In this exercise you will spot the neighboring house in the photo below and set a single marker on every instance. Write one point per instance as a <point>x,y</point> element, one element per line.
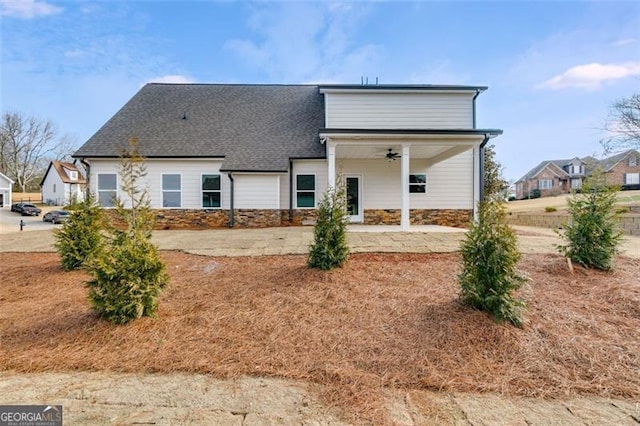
<point>5,190</point>
<point>62,183</point>
<point>263,155</point>
<point>553,177</point>
<point>623,169</point>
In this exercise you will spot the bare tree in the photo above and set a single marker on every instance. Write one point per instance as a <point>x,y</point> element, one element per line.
<point>27,144</point>
<point>623,125</point>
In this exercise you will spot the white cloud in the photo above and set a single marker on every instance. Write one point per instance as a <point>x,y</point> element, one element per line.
<point>297,42</point>
<point>27,9</point>
<point>172,78</point>
<point>623,42</point>
<point>591,76</point>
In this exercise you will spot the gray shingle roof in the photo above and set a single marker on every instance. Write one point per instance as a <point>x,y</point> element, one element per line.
<point>254,127</point>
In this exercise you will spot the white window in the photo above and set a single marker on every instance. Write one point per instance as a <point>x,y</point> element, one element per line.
<point>73,175</point>
<point>576,183</point>
<point>417,183</point>
<point>210,191</point>
<point>632,178</point>
<point>633,161</point>
<point>545,184</point>
<point>306,191</point>
<point>107,187</point>
<point>576,169</point>
<point>171,190</point>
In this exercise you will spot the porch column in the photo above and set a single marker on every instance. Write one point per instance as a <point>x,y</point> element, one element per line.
<point>331,160</point>
<point>404,179</point>
<point>477,181</point>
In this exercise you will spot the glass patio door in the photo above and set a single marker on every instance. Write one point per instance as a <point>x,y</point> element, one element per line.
<point>354,197</point>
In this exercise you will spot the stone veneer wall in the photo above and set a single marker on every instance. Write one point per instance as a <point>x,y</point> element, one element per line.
<point>195,219</point>
<point>263,218</point>
<point>629,222</point>
<point>442,217</point>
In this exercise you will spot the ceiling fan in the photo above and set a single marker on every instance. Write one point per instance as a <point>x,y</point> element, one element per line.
<point>392,156</point>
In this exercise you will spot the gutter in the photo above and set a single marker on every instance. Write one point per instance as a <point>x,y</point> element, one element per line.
<point>231,211</point>
<point>474,106</point>
<point>290,191</point>
<point>482,145</point>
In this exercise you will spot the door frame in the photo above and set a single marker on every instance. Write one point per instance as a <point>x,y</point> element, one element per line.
<point>359,218</point>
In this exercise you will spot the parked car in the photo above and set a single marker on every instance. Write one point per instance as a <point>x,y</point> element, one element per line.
<point>56,216</point>
<point>17,207</point>
<point>30,210</point>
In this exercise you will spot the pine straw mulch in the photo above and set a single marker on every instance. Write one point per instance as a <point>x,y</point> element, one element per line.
<point>382,321</point>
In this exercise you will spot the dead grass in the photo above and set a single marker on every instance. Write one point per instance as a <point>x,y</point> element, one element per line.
<point>381,321</point>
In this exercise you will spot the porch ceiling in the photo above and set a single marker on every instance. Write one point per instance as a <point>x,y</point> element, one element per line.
<point>364,151</point>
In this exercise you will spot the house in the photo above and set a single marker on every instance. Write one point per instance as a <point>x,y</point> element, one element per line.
<point>263,155</point>
<point>62,183</point>
<point>623,169</point>
<point>553,177</point>
<point>5,190</point>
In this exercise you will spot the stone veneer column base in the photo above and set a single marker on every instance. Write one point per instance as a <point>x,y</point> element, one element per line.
<point>443,217</point>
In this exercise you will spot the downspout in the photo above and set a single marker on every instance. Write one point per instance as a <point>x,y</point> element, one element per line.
<point>474,107</point>
<point>481,154</point>
<point>290,191</point>
<point>231,212</point>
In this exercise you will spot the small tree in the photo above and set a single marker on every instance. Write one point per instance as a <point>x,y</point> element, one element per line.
<point>593,234</point>
<point>490,254</point>
<point>129,275</point>
<point>495,186</point>
<point>329,249</point>
<point>623,124</point>
<point>80,238</point>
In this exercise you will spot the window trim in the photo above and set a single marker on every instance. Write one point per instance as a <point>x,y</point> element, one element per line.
<point>162,190</point>
<point>73,175</point>
<point>202,191</point>
<point>543,187</point>
<point>416,184</point>
<point>315,190</point>
<point>633,161</point>
<point>635,174</point>
<point>98,190</point>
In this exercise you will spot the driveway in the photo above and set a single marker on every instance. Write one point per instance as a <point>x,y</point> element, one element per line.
<point>10,221</point>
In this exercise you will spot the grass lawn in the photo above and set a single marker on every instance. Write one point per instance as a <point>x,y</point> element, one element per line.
<point>381,321</point>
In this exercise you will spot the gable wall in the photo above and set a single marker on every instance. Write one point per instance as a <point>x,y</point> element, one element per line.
<point>617,174</point>
<point>58,197</point>
<point>399,110</point>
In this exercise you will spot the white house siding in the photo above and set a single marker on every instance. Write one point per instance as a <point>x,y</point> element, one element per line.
<point>53,189</point>
<point>304,167</point>
<point>257,191</point>
<point>449,183</point>
<point>191,172</point>
<point>5,191</point>
<point>399,110</point>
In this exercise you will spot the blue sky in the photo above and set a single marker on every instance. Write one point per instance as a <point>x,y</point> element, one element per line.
<point>553,68</point>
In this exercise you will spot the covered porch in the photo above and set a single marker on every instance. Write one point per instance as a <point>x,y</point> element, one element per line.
<point>408,177</point>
